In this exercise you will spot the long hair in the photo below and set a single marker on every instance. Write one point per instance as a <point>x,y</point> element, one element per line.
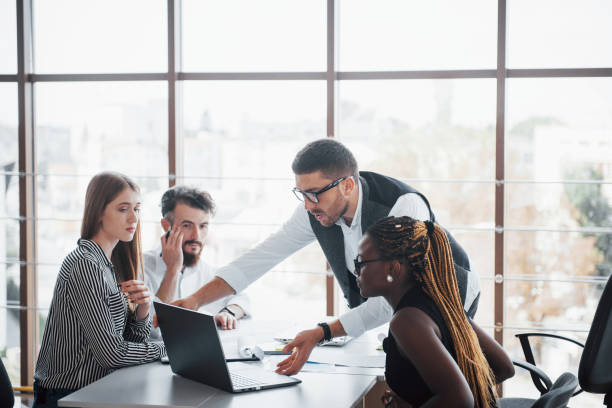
<point>102,189</point>
<point>429,261</point>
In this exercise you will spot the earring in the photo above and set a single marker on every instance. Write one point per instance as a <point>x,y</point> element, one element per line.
<point>389,278</point>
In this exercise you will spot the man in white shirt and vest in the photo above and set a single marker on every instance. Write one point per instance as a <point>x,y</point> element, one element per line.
<point>339,205</point>
<point>175,270</point>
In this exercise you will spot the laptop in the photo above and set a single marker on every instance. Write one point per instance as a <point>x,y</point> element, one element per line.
<point>195,352</point>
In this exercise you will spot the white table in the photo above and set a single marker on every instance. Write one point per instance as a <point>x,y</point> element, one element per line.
<point>154,384</point>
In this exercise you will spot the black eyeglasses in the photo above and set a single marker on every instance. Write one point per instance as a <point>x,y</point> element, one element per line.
<point>313,196</point>
<point>359,263</point>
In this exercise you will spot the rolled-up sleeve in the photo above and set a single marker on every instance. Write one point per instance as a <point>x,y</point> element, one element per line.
<point>369,315</point>
<point>242,300</point>
<point>294,234</point>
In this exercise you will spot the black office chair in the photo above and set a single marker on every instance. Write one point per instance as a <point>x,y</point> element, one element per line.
<point>7,399</point>
<point>557,395</point>
<point>595,369</point>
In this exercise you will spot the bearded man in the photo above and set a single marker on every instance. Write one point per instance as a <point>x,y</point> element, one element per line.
<point>174,270</point>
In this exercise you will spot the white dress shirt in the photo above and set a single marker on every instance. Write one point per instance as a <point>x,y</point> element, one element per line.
<point>297,232</point>
<point>189,281</point>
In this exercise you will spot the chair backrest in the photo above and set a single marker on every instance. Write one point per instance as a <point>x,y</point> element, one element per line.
<point>559,394</point>
<point>595,370</point>
<point>7,399</point>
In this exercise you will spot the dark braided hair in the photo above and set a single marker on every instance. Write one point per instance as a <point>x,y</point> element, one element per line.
<point>424,248</point>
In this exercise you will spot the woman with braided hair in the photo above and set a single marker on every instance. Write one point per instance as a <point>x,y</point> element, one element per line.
<point>436,357</point>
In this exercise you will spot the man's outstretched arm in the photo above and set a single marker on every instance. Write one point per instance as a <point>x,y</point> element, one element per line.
<point>295,234</point>
<point>368,315</point>
<point>213,290</point>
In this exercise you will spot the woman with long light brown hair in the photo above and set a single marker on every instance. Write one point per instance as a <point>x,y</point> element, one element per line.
<point>99,318</point>
<point>436,356</point>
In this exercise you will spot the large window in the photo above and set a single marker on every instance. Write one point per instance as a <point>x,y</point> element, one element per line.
<point>84,128</point>
<point>558,207</point>
<point>439,136</point>
<point>8,38</point>
<point>247,36</point>
<point>262,124</point>
<point>392,35</point>
<point>109,36</point>
<point>9,231</point>
<point>559,34</point>
<point>419,91</point>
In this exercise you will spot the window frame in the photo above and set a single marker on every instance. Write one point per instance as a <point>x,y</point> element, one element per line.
<point>173,77</point>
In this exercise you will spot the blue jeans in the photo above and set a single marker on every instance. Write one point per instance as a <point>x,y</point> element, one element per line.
<point>47,398</point>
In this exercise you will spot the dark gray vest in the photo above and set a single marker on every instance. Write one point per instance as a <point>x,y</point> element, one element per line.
<point>379,195</point>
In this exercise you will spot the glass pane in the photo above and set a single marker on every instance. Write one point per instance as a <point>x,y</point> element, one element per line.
<point>54,204</point>
<point>547,304</point>
<point>558,205</point>
<point>58,236</point>
<point>9,158</point>
<point>559,129</point>
<point>85,128</point>
<point>9,297</point>
<point>72,36</point>
<point>554,357</point>
<point>302,294</point>
<point>559,34</point>
<point>242,220</point>
<point>232,129</point>
<point>10,343</point>
<point>479,246</point>
<point>9,250</point>
<point>267,35</point>
<point>421,128</point>
<point>399,35</point>
<point>558,254</point>
<point>486,305</point>
<point>230,135</point>
<point>8,37</point>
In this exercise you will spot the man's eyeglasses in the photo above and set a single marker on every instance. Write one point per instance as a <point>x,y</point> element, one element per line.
<point>313,196</point>
<point>359,263</point>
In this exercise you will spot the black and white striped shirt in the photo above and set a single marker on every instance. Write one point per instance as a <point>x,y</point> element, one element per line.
<point>90,330</point>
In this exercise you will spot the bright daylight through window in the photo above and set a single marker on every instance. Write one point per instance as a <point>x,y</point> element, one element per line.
<point>411,88</point>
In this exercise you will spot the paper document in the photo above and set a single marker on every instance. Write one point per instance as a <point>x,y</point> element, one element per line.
<point>336,369</point>
<point>376,361</point>
<point>349,360</point>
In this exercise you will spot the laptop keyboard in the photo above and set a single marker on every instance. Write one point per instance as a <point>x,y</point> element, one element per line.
<point>240,381</point>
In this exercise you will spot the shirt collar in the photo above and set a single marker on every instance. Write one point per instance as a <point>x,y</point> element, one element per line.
<point>357,216</point>
<point>94,249</point>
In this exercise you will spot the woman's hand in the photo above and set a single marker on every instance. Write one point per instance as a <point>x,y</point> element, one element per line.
<point>137,293</point>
